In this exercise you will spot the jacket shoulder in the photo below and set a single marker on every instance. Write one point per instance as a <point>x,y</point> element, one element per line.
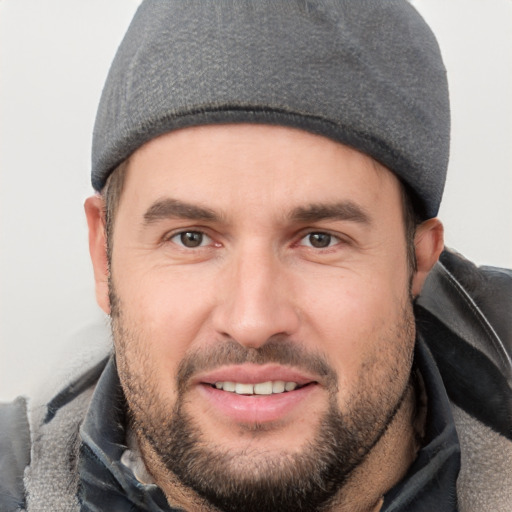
<point>14,454</point>
<point>491,290</point>
<point>475,303</point>
<point>464,315</point>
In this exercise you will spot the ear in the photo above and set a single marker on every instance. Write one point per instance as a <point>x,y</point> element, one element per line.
<point>95,213</point>
<point>428,245</point>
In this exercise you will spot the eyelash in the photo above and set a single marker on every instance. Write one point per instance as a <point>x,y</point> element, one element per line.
<point>331,236</point>
<point>171,238</point>
<point>180,234</point>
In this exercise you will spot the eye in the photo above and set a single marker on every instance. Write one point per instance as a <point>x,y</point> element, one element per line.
<point>191,239</point>
<point>319,240</point>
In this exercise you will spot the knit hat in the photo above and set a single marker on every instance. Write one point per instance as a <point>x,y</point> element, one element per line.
<point>366,73</point>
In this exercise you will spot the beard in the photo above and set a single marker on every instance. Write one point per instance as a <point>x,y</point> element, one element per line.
<point>253,479</point>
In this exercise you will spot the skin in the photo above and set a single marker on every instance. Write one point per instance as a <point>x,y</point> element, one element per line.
<point>256,277</point>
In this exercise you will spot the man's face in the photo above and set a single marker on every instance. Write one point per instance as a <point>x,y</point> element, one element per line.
<point>247,259</point>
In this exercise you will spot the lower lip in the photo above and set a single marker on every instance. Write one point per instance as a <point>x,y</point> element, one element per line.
<point>252,409</point>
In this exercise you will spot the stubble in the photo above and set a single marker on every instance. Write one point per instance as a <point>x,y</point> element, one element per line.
<point>253,479</point>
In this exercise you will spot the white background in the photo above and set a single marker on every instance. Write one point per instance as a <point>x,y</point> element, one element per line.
<point>54,56</point>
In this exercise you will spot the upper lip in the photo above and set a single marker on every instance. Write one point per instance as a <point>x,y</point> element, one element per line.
<point>254,373</point>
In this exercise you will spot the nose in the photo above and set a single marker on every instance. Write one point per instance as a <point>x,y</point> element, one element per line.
<point>256,301</point>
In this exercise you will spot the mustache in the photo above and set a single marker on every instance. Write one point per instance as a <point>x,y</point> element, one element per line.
<point>278,350</point>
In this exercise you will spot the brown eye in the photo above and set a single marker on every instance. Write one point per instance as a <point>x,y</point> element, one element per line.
<point>191,239</point>
<point>319,240</point>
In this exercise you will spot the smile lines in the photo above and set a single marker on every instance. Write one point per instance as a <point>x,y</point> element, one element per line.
<point>261,388</point>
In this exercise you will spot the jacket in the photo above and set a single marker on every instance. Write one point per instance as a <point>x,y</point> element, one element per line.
<point>463,316</point>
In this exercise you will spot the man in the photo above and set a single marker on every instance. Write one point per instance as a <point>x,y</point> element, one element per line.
<point>264,240</point>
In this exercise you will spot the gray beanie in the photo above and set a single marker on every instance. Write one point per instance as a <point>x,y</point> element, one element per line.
<point>366,73</point>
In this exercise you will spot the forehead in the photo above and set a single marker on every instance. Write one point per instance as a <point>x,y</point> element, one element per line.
<point>264,166</point>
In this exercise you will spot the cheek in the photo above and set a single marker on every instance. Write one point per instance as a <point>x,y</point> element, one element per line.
<point>359,322</point>
<point>169,303</point>
<point>162,317</point>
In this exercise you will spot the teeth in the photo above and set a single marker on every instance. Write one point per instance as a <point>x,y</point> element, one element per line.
<point>228,386</point>
<point>290,386</point>
<point>278,386</point>
<point>261,388</point>
<point>244,389</point>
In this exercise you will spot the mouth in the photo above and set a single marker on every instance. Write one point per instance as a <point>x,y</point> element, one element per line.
<point>260,388</point>
<point>248,394</point>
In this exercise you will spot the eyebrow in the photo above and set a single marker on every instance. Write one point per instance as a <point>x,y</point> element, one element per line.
<point>169,208</point>
<point>344,210</point>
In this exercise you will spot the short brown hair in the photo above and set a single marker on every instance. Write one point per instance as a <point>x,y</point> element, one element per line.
<point>111,194</point>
